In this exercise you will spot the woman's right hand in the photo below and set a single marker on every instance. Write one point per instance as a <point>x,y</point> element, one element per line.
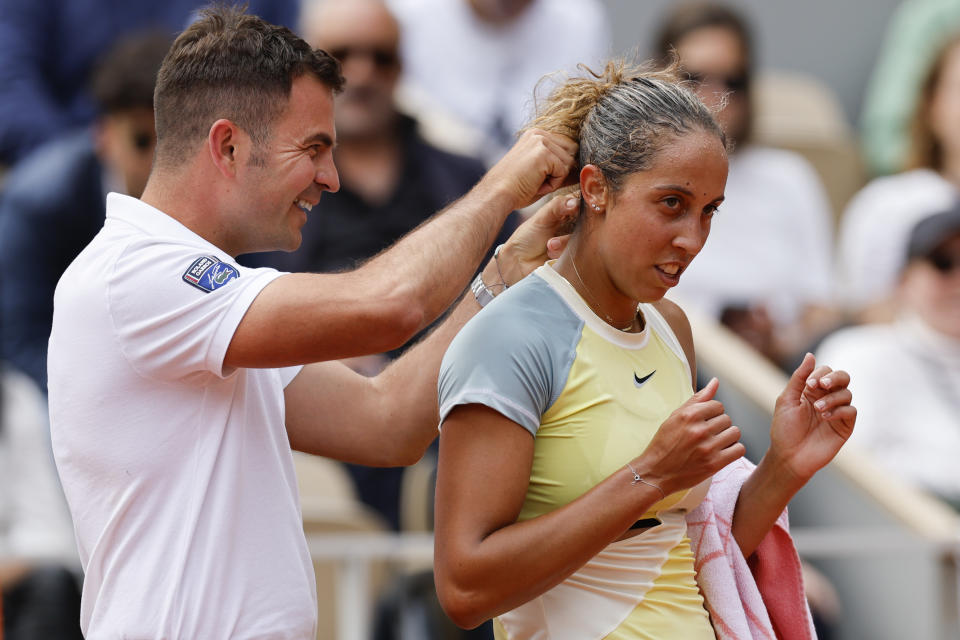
<point>696,441</point>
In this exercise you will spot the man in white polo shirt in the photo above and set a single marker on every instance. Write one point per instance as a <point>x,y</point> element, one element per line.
<point>175,375</point>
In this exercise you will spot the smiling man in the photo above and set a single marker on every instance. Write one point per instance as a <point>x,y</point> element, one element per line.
<point>176,377</point>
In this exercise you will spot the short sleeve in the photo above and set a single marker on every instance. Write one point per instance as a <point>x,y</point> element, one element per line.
<point>513,357</point>
<point>175,307</point>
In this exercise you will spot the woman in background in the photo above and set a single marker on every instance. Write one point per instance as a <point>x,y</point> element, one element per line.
<point>876,225</point>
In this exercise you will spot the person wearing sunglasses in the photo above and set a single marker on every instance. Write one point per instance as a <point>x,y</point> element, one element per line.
<point>905,374</point>
<point>776,213</point>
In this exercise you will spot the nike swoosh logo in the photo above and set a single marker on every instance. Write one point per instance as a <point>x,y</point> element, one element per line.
<point>639,382</point>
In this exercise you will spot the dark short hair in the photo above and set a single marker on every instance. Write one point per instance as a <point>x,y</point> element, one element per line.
<point>125,77</point>
<point>230,64</point>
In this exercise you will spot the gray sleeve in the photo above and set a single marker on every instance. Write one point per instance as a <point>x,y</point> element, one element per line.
<point>513,357</point>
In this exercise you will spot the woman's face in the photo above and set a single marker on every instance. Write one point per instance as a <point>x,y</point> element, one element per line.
<point>660,218</point>
<point>945,104</point>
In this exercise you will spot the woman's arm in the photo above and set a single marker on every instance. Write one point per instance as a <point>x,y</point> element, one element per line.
<point>804,437</point>
<point>384,302</point>
<point>812,419</point>
<point>487,563</point>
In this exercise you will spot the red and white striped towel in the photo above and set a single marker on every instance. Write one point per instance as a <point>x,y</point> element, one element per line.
<point>759,598</point>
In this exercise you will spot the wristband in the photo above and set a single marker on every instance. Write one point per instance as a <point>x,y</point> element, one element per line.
<point>480,291</point>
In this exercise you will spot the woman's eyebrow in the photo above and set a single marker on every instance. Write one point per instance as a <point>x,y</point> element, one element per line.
<point>673,187</point>
<point>684,190</point>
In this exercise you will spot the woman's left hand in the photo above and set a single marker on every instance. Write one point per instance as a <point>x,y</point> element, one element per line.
<point>812,419</point>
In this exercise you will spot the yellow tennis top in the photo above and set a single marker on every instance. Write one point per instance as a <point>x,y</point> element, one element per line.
<point>593,397</point>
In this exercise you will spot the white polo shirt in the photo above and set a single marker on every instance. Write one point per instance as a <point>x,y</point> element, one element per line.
<point>178,472</point>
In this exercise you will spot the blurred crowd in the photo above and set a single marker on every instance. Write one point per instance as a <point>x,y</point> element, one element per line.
<point>436,89</point>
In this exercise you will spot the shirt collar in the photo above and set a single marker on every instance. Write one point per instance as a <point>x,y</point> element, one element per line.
<point>151,220</point>
<point>573,299</point>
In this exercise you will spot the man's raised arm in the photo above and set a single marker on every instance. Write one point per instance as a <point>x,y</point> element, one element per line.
<point>303,318</point>
<point>389,420</point>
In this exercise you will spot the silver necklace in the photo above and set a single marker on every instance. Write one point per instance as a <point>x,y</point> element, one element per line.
<point>609,319</point>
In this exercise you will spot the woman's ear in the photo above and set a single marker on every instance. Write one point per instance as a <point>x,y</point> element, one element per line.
<point>593,189</point>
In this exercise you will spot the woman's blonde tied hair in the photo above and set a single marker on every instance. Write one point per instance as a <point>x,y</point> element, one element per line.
<point>623,116</point>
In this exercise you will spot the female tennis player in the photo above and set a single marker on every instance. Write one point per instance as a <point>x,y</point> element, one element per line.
<point>574,496</point>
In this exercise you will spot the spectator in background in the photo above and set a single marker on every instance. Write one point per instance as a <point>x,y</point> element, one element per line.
<point>916,31</point>
<point>905,374</point>
<point>48,49</point>
<point>876,224</point>
<point>775,215</point>
<point>391,179</point>
<point>53,202</point>
<point>477,59</point>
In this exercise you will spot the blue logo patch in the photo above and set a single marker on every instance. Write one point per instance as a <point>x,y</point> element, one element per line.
<point>209,274</point>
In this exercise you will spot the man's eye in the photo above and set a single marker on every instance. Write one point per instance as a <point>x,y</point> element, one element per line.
<point>672,202</point>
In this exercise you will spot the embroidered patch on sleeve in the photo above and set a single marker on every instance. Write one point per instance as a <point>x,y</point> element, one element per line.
<point>209,274</point>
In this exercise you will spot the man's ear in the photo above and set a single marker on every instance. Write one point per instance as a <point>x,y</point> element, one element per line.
<point>593,189</point>
<point>224,143</point>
